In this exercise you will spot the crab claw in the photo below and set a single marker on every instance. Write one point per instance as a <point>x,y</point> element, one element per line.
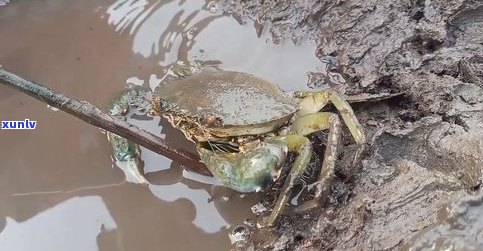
<point>248,171</point>
<point>128,158</point>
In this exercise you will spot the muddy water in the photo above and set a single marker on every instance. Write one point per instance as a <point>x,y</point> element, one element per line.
<point>58,187</point>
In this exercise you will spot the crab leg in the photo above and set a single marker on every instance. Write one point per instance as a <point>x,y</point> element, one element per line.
<point>312,102</point>
<point>316,122</point>
<point>126,153</point>
<point>302,146</point>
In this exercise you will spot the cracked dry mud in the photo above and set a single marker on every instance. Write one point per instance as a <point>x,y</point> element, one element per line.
<point>420,181</point>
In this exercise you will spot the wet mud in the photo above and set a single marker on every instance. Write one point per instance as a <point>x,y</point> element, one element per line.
<point>418,186</point>
<point>425,146</point>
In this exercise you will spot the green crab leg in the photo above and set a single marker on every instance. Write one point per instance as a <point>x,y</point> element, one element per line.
<point>316,122</point>
<point>312,102</point>
<point>128,158</point>
<point>302,146</point>
<point>126,153</point>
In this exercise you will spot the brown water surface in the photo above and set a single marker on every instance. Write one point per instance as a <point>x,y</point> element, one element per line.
<point>58,187</point>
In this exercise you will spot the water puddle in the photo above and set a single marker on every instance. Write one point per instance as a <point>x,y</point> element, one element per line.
<point>58,187</point>
<point>61,219</point>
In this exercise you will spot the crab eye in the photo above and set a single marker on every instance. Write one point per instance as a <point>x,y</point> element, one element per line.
<point>209,120</point>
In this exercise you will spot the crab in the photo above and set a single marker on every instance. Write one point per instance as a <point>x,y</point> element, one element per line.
<point>244,126</point>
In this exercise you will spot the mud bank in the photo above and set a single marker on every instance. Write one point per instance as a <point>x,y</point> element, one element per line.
<point>426,146</point>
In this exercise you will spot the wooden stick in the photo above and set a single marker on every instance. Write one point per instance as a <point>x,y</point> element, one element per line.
<point>92,115</point>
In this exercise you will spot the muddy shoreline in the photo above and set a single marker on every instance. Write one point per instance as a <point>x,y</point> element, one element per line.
<point>426,147</point>
<point>419,185</point>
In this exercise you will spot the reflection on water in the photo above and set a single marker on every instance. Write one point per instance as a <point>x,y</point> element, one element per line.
<point>159,30</point>
<point>187,31</point>
<point>60,220</point>
<point>206,218</point>
<point>57,187</point>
